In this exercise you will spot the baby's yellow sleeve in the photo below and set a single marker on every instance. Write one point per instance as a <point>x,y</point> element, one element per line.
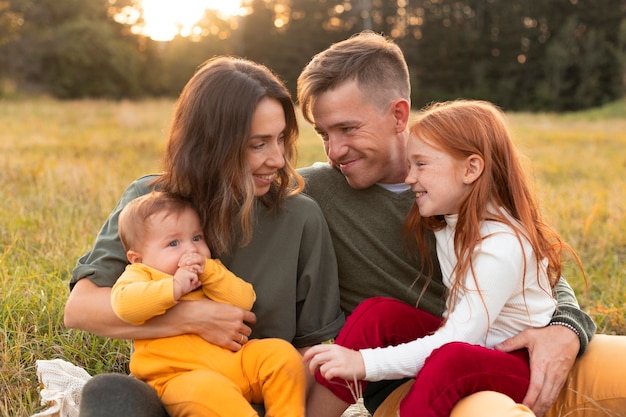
<point>141,293</point>
<point>219,284</point>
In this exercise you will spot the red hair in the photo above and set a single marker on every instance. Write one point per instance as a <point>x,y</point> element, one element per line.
<point>468,127</point>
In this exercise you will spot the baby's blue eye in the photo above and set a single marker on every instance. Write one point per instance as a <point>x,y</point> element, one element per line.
<point>173,243</point>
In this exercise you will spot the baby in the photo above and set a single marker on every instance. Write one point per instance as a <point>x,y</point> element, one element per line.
<point>169,262</point>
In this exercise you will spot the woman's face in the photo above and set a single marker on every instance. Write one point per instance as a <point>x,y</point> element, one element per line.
<point>266,144</point>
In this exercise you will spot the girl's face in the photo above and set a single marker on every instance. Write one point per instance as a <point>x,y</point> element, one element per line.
<point>266,145</point>
<point>437,179</point>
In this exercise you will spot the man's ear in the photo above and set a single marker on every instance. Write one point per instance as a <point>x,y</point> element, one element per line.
<point>474,166</point>
<point>133,257</point>
<point>401,111</point>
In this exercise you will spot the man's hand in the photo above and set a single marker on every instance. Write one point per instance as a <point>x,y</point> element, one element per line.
<point>552,350</point>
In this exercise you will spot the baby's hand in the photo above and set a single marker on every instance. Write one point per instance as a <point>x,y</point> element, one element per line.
<point>192,262</point>
<point>185,281</point>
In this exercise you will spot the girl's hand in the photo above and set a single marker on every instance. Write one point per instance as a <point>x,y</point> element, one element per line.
<point>336,361</point>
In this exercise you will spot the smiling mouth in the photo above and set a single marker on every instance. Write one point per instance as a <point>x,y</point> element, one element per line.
<point>347,164</point>
<point>268,177</point>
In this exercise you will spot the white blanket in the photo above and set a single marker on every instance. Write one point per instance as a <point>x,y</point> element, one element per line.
<point>62,385</point>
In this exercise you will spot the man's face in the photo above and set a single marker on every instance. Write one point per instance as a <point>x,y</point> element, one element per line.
<point>366,143</point>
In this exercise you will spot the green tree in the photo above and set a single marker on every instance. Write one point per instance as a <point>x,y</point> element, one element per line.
<point>531,55</point>
<point>75,49</point>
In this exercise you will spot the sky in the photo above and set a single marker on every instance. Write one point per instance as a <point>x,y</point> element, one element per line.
<point>164,19</point>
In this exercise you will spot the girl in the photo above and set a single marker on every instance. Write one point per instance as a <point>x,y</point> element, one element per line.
<point>499,261</point>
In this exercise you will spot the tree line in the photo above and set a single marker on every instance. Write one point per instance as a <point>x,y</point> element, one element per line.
<point>556,55</point>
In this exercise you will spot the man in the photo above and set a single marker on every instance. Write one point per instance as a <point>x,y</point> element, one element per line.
<point>357,96</point>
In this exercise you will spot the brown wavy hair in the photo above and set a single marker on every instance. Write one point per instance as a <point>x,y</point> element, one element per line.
<point>470,127</point>
<point>205,156</point>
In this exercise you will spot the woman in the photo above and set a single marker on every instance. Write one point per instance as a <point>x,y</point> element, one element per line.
<point>231,151</point>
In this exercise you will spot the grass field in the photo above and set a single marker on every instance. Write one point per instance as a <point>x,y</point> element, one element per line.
<point>64,165</point>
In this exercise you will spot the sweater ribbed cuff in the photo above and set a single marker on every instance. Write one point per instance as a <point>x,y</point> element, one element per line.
<point>581,324</point>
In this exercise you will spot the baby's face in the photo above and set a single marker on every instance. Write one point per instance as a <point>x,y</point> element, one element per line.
<point>169,236</point>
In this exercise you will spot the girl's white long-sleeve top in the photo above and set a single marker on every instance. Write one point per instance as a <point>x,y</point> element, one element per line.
<point>511,299</point>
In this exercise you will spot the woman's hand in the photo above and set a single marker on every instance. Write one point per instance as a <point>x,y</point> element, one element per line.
<point>218,323</point>
<point>89,308</point>
<point>335,361</point>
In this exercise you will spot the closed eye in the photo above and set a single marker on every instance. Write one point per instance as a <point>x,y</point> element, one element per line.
<point>257,144</point>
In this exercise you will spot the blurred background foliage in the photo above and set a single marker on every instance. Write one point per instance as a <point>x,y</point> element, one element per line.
<point>533,55</point>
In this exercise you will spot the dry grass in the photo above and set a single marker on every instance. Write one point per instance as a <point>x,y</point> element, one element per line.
<point>63,165</point>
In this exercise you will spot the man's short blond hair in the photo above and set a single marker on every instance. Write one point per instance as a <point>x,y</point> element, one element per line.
<point>374,61</point>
